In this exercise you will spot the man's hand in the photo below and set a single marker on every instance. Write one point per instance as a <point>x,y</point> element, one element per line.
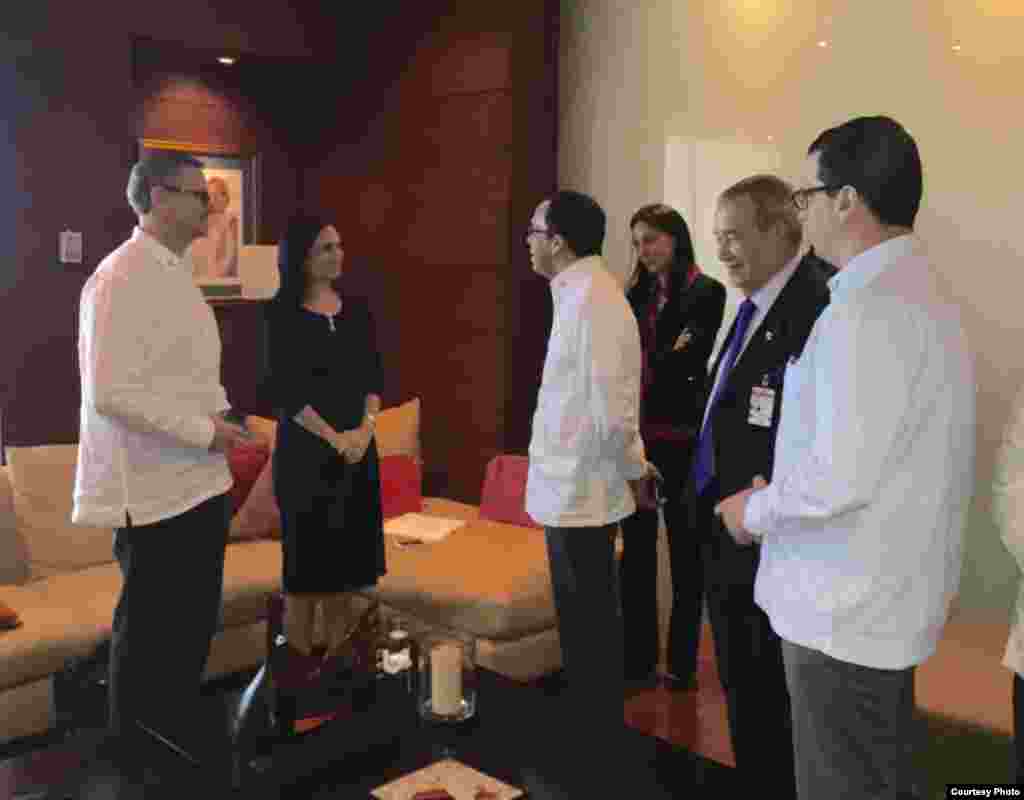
<point>227,435</point>
<point>733,509</point>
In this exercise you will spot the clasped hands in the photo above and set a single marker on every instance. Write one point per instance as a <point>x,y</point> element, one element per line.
<point>644,489</point>
<point>353,444</point>
<point>733,509</point>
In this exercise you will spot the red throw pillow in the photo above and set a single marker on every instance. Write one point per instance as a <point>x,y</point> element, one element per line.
<point>400,486</point>
<point>503,498</point>
<point>246,462</point>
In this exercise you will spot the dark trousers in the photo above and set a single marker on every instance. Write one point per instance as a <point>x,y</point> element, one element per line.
<point>585,588</point>
<point>749,658</point>
<point>165,619</point>
<point>855,730</point>
<point>638,574</point>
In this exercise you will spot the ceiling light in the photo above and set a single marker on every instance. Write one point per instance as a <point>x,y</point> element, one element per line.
<point>956,47</point>
<point>822,43</point>
<point>226,60</point>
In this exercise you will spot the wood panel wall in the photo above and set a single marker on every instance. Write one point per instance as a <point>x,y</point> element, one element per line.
<point>431,173</point>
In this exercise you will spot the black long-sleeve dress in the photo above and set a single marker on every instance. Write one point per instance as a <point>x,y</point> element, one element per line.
<point>331,526</point>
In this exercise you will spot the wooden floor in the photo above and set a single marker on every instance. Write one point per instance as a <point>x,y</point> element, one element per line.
<point>694,719</point>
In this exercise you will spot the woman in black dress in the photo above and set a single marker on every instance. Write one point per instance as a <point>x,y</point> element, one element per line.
<point>325,381</point>
<point>679,311</point>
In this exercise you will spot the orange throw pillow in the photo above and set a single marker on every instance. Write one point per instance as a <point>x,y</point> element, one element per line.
<point>8,617</point>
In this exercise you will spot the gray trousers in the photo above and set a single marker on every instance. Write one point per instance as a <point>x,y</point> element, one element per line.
<point>855,730</point>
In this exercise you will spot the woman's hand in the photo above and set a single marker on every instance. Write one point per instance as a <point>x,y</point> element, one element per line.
<point>342,442</point>
<point>359,443</point>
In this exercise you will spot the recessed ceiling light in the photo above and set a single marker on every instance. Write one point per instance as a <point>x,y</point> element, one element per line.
<point>822,43</point>
<point>956,47</point>
<point>227,60</point>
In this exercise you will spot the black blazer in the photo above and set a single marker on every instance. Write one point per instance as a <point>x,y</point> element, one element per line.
<point>679,383</point>
<point>743,449</point>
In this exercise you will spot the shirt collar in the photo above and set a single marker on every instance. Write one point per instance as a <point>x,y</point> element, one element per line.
<point>158,251</point>
<point>575,271</point>
<point>865,267</point>
<point>764,297</point>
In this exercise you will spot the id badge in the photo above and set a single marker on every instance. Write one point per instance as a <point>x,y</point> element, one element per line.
<point>762,406</point>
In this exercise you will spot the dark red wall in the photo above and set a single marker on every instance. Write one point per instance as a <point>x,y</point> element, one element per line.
<point>74,114</point>
<point>432,172</point>
<point>429,139</point>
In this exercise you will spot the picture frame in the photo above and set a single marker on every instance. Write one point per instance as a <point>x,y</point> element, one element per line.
<point>233,179</point>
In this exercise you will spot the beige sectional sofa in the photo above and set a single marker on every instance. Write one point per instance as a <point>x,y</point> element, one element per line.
<point>487,578</point>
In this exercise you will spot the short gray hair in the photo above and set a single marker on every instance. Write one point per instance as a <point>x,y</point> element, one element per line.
<point>773,202</point>
<point>154,169</point>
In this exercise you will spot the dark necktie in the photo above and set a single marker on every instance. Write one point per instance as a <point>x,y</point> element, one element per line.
<point>704,463</point>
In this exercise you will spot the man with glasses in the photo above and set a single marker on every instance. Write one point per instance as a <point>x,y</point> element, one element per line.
<point>759,239</point>
<point>861,525</point>
<point>585,451</point>
<point>151,457</point>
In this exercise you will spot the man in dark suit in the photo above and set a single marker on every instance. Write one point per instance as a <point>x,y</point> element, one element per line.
<point>759,236</point>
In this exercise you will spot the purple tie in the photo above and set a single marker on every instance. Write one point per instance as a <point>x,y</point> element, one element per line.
<point>704,463</point>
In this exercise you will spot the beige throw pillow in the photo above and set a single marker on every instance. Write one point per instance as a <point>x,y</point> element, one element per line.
<point>43,481</point>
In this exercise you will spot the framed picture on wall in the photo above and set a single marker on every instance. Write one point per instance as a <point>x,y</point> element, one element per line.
<point>232,180</point>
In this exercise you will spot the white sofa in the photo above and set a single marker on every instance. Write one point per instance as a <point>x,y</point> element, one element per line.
<point>487,578</point>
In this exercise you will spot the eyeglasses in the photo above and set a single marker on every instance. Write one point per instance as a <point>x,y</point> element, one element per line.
<point>202,195</point>
<point>802,197</point>
<point>532,231</point>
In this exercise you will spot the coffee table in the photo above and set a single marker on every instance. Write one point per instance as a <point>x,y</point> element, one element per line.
<point>520,735</point>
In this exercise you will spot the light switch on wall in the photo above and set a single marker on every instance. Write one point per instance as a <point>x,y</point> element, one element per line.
<point>70,247</point>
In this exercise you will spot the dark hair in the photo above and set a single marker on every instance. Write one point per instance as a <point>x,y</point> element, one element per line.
<point>579,220</point>
<point>877,157</point>
<point>153,169</point>
<point>292,252</point>
<point>773,202</point>
<point>667,220</point>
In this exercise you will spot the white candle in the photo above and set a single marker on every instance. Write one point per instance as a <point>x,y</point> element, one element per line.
<point>446,678</point>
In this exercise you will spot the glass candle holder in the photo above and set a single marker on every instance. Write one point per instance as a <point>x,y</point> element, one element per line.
<point>447,677</point>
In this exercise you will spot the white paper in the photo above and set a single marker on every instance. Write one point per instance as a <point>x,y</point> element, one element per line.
<point>460,781</point>
<point>422,527</point>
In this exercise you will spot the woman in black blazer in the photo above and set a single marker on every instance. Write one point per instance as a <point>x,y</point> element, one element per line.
<point>679,311</point>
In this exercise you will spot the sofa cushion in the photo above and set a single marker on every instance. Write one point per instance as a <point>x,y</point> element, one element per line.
<point>487,578</point>
<point>400,486</point>
<point>43,480</point>
<point>503,497</point>
<point>63,616</point>
<point>13,553</point>
<point>252,570</point>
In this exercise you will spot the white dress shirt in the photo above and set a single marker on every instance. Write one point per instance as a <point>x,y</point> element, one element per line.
<point>586,441</point>
<point>149,356</point>
<point>1008,513</point>
<point>862,524</point>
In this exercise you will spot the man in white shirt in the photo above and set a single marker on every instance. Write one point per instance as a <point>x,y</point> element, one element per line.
<point>585,450</point>
<point>151,457</point>
<point>861,525</point>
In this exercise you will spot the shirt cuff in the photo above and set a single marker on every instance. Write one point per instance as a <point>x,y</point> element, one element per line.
<point>199,432</point>
<point>757,515</point>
